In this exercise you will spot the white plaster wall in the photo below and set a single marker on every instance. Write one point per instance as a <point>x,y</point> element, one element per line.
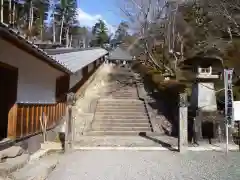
<point>90,67</point>
<point>204,96</point>
<point>75,78</point>
<point>236,110</point>
<point>36,79</point>
<point>207,97</point>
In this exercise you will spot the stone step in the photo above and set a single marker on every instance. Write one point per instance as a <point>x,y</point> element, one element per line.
<point>122,94</point>
<point>123,101</point>
<point>127,105</point>
<point>111,128</point>
<point>104,124</point>
<point>130,104</point>
<point>114,106</point>
<point>123,97</point>
<point>105,117</point>
<point>122,121</point>
<point>150,140</point>
<point>121,86</point>
<point>113,133</point>
<point>121,109</point>
<point>132,113</point>
<point>36,170</point>
<point>120,90</point>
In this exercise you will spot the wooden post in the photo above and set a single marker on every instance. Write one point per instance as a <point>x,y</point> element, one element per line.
<point>183,123</point>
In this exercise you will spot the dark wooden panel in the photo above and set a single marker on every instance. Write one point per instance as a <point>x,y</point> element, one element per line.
<point>28,118</point>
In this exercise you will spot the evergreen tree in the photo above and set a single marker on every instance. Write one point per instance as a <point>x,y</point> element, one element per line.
<point>100,34</point>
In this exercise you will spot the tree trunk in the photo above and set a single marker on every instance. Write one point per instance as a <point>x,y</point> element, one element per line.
<point>61,29</point>
<point>10,11</point>
<point>230,33</point>
<point>41,31</point>
<point>14,13</point>
<point>67,38</point>
<point>84,42</point>
<point>1,11</point>
<point>70,44</point>
<point>182,50</point>
<point>54,30</point>
<point>30,23</point>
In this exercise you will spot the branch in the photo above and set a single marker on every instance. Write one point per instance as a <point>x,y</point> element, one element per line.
<point>226,14</point>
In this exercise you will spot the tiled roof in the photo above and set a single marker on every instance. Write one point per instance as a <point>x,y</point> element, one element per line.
<point>14,37</point>
<point>64,50</point>
<point>68,60</point>
<point>120,54</point>
<point>75,59</point>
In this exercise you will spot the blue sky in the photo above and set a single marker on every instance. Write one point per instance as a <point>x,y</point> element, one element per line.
<point>91,10</point>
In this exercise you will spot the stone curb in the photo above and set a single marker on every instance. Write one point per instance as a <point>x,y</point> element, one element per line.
<point>142,96</point>
<point>220,149</point>
<point>45,151</point>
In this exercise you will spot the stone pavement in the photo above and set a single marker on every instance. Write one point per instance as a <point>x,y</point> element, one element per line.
<point>147,165</point>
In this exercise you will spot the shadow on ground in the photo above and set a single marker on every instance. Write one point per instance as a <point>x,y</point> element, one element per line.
<point>163,144</point>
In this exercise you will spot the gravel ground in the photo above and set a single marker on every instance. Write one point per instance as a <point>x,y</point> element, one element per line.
<point>147,165</point>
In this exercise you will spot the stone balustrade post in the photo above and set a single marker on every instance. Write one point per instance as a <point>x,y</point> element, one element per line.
<point>183,123</point>
<point>69,132</point>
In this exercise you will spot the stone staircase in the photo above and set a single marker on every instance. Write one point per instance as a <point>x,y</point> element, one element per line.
<point>121,91</point>
<point>120,117</point>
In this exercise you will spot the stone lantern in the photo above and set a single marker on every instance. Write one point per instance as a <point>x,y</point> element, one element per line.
<point>203,103</point>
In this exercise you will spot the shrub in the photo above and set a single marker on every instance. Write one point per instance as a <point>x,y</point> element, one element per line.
<point>157,78</point>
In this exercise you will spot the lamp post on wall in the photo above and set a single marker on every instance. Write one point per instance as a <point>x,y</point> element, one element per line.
<point>69,133</point>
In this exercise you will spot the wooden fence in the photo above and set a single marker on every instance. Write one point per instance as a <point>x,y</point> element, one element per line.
<point>24,119</point>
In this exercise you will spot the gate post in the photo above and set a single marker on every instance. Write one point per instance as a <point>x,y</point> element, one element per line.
<point>183,123</point>
<point>71,99</point>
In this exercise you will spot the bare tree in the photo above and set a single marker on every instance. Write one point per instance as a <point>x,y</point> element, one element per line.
<point>143,15</point>
<point>188,26</point>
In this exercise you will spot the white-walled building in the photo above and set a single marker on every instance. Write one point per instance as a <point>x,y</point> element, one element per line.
<point>34,83</point>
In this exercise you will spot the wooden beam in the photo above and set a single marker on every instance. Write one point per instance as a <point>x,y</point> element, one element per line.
<point>27,120</point>
<point>32,118</point>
